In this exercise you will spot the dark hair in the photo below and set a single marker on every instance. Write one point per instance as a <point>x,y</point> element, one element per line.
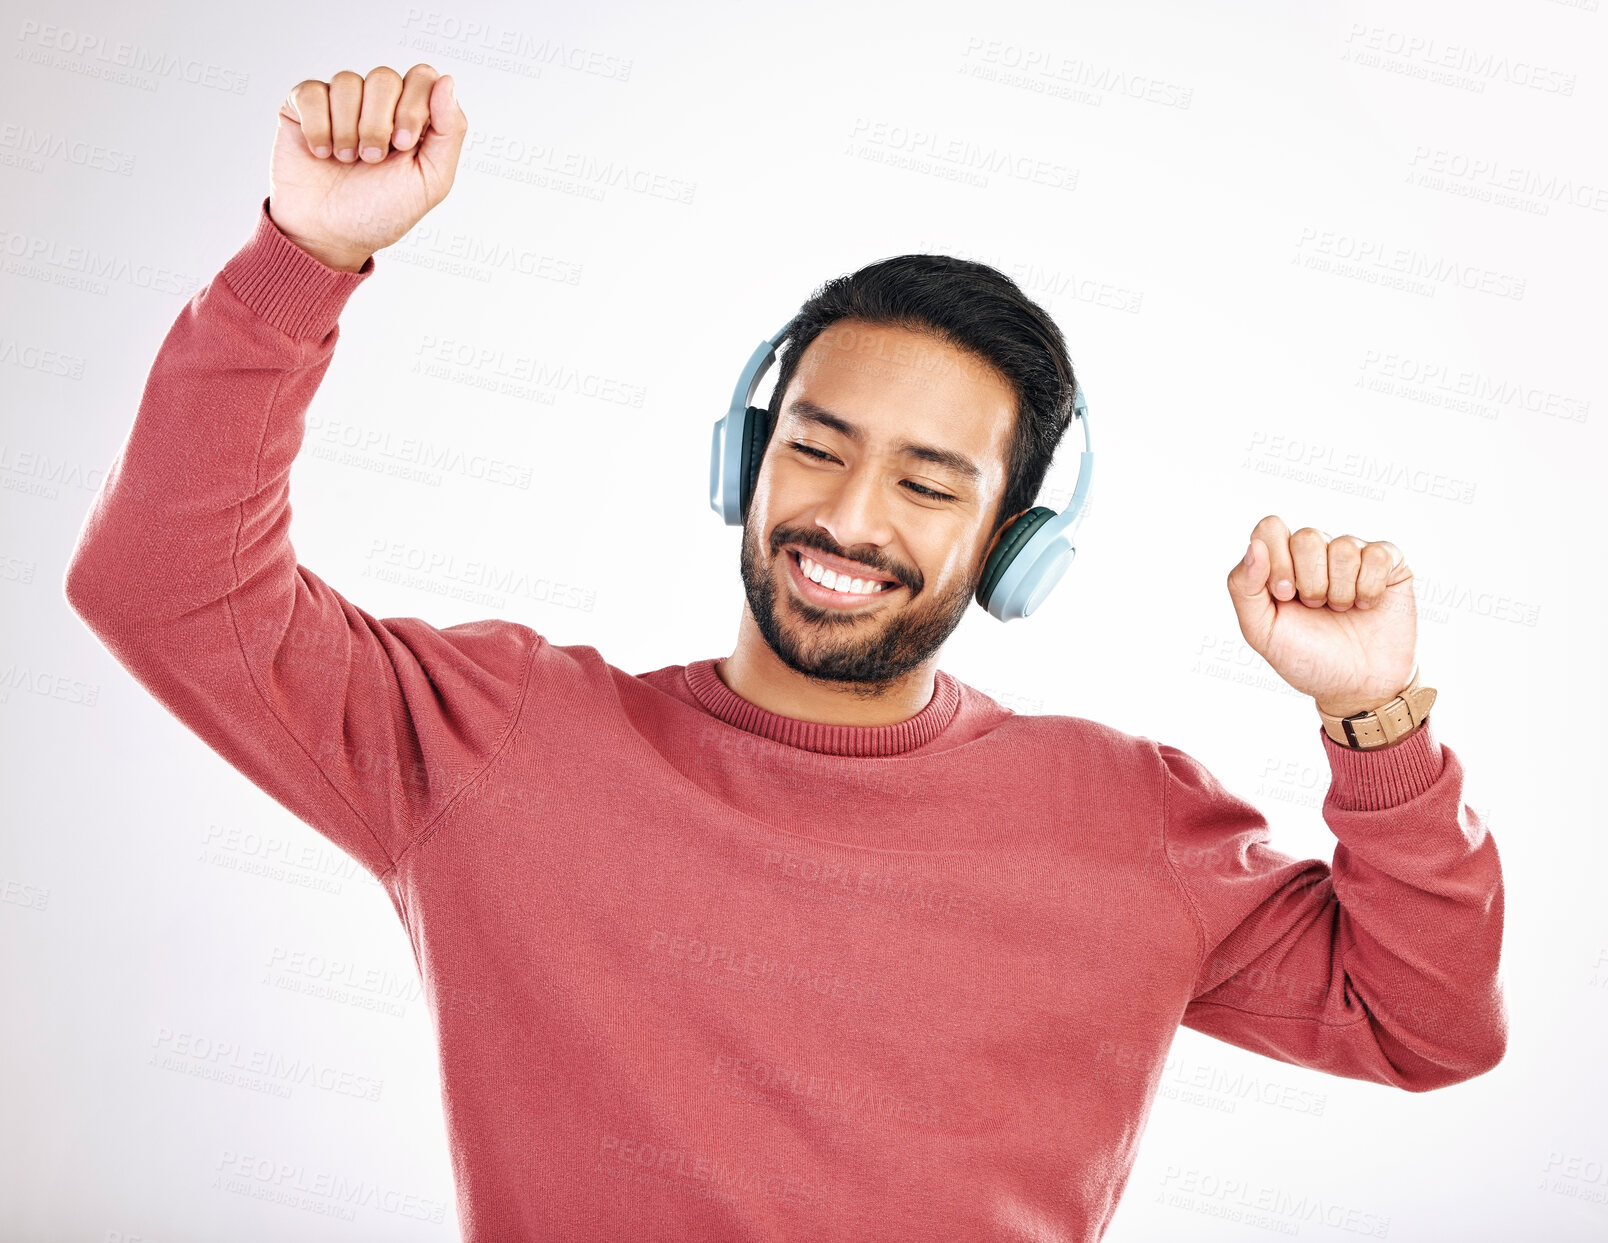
<point>978,310</point>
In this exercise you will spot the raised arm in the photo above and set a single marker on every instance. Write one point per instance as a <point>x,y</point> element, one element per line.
<point>365,729</point>
<point>1382,966</point>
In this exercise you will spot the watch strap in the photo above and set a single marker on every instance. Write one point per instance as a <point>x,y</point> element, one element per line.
<point>1381,726</point>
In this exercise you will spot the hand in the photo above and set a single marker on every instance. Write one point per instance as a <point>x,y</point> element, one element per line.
<point>1340,622</point>
<point>358,161</point>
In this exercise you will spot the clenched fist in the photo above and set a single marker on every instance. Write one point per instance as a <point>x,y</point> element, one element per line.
<point>1336,618</point>
<point>358,161</point>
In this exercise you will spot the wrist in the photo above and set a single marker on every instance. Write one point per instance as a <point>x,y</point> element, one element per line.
<point>289,288</point>
<point>341,259</point>
<point>1363,726</point>
<point>1358,705</point>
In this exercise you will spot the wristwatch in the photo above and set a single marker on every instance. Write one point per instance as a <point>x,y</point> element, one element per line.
<point>1381,726</point>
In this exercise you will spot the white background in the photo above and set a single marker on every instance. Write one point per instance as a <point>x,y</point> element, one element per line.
<point>1246,182</point>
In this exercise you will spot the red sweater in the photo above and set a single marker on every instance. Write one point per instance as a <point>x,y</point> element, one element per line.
<point>699,971</point>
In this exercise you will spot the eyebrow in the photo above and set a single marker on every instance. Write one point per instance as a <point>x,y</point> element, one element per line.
<point>959,463</point>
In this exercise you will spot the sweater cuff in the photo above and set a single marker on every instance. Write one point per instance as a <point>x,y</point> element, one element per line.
<point>301,296</point>
<point>1387,776</point>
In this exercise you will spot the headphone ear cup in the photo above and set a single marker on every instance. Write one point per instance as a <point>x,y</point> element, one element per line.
<point>755,428</point>
<point>1011,541</point>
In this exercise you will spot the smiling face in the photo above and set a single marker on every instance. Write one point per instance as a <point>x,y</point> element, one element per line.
<point>886,466</point>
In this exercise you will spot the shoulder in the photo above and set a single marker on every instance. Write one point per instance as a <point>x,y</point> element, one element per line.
<point>509,651</point>
<point>1080,739</point>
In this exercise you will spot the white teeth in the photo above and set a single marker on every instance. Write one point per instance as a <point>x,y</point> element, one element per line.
<point>839,582</point>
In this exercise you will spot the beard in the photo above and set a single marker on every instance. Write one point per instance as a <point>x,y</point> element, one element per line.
<point>866,653</point>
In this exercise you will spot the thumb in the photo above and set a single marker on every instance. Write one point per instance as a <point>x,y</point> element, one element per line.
<point>443,140</point>
<point>1247,587</point>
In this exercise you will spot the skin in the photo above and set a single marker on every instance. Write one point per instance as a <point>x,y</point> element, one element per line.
<point>1335,617</point>
<point>359,160</point>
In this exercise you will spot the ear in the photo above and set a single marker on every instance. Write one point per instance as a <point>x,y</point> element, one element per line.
<point>1003,527</point>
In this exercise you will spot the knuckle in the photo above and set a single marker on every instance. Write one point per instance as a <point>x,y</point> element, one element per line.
<point>384,73</point>
<point>346,78</point>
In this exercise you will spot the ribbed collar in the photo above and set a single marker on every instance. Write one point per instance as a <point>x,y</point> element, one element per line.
<point>854,740</point>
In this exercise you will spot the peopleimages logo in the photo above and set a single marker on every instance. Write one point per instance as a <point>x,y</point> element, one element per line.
<point>1448,64</point>
<point>1048,284</point>
<point>1463,389</point>
<point>954,157</point>
<point>23,146</point>
<point>84,267</point>
<point>504,47</point>
<point>581,173</point>
<point>30,357</point>
<point>382,449</point>
<point>1355,472</point>
<point>240,1064</point>
<point>1049,72</point>
<point>1490,180</point>
<point>1265,1206</point>
<point>129,64</point>
<point>1405,267</point>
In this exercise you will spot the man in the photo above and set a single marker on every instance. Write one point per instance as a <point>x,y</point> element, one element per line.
<point>813,942</point>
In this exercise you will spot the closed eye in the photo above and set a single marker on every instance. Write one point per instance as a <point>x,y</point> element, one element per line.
<point>909,483</point>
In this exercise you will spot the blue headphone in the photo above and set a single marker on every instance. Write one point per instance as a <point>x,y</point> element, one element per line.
<point>1032,553</point>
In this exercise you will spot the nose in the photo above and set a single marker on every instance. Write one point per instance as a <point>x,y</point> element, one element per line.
<point>855,512</point>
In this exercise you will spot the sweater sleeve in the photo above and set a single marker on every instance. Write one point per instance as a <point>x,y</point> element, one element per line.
<point>1380,966</point>
<point>365,729</point>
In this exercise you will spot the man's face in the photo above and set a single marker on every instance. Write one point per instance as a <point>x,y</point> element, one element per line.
<point>887,462</point>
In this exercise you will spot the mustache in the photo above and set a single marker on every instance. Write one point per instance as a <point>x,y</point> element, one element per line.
<point>813,539</point>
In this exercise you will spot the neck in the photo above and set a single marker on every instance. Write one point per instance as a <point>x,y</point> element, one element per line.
<point>756,673</point>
